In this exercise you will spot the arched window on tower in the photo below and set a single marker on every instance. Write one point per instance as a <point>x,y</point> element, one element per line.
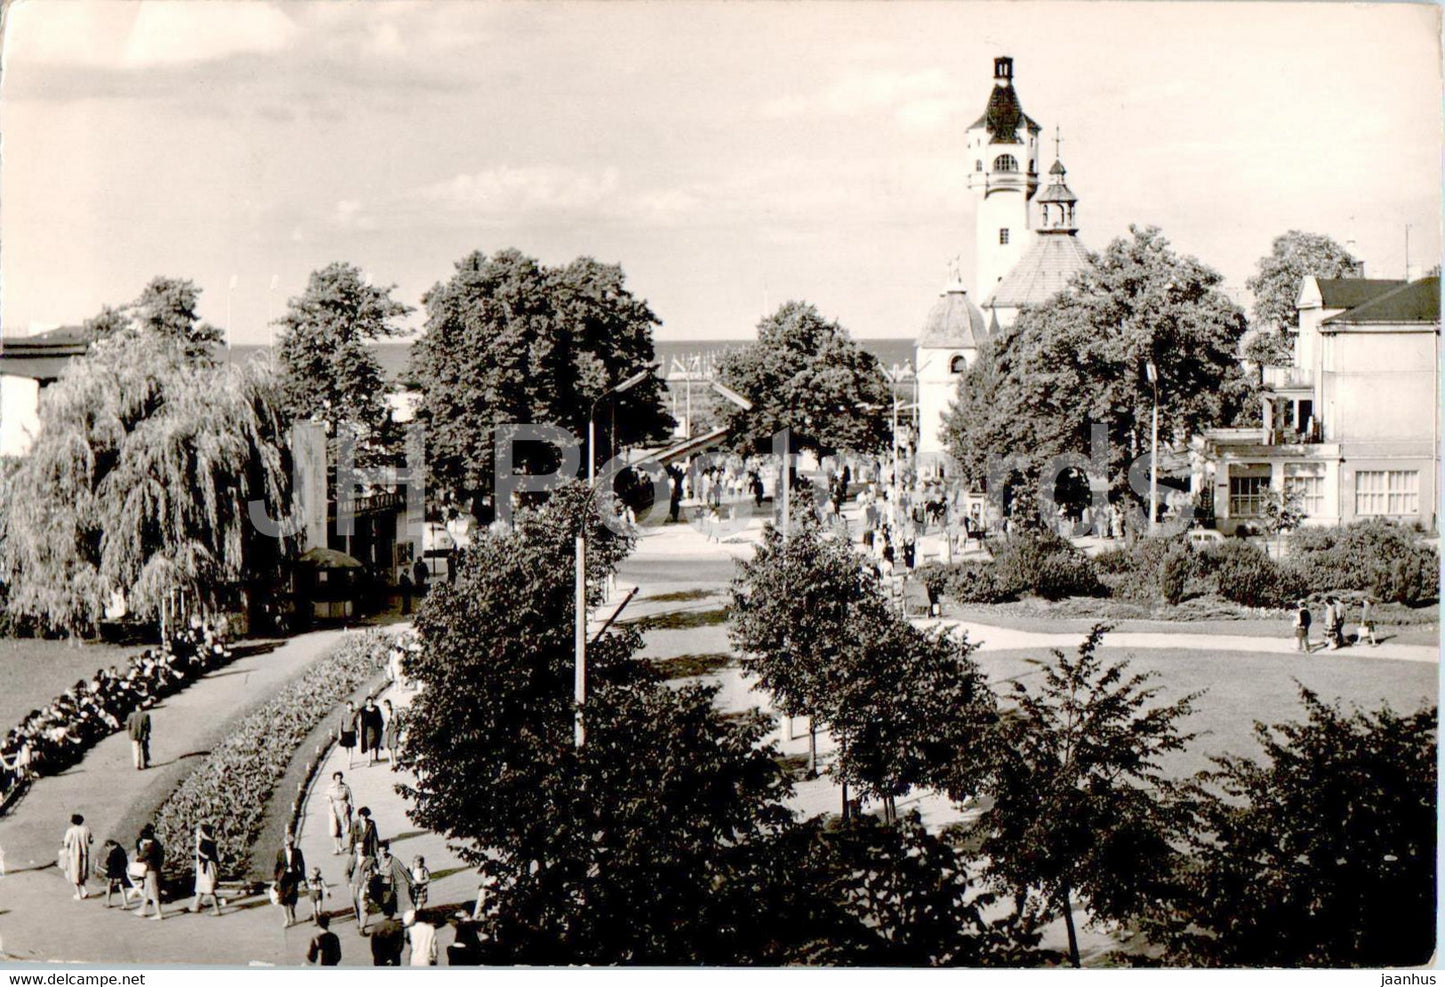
<point>978,166</point>
<point>958,364</point>
<point>1005,162</point>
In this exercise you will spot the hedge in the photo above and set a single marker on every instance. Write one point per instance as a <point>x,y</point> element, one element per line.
<point>1375,557</point>
<point>231,789</point>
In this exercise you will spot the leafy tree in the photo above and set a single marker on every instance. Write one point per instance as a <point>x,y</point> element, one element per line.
<point>167,307</point>
<point>599,855</point>
<point>510,340</point>
<point>138,483</point>
<point>791,618</point>
<point>807,374</point>
<point>1080,805</point>
<point>1280,512</point>
<point>1323,854</point>
<point>1083,357</point>
<point>1276,284</point>
<point>328,370</point>
<point>907,708</point>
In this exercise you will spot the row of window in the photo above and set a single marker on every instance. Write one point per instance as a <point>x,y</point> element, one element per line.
<point>1378,493</point>
<point>1004,162</point>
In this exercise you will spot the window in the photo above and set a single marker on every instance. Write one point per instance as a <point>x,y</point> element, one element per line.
<point>1005,162</point>
<point>1387,492</point>
<point>978,166</point>
<point>957,365</point>
<point>1003,235</point>
<point>1247,495</point>
<point>1306,481</point>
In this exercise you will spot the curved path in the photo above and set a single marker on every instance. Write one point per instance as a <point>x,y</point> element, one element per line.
<point>38,918</point>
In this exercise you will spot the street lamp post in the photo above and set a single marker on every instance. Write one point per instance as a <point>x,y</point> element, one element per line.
<point>1153,373</point>
<point>579,679</point>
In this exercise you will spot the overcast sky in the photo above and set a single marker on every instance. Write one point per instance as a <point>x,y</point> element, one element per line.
<point>729,157</point>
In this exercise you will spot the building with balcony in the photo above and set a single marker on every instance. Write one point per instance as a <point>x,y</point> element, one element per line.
<point>1351,428</point>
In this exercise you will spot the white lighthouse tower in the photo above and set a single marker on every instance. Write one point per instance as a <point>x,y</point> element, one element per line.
<point>1003,147</point>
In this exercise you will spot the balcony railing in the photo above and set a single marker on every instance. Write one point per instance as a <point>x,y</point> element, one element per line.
<point>1288,377</point>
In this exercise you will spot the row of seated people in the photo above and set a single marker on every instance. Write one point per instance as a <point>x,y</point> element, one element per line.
<point>52,739</point>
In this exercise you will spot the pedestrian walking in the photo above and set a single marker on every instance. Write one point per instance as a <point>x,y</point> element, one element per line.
<point>1367,621</point>
<point>150,857</point>
<point>1331,624</point>
<point>138,725</point>
<point>317,892</point>
<point>115,866</point>
<point>290,875</point>
<point>419,575</point>
<point>208,868</point>
<point>388,941</point>
<point>391,732</point>
<point>1302,627</point>
<point>398,890</point>
<point>423,939</point>
<point>421,880</point>
<point>338,798</point>
<point>406,587</point>
<point>371,724</point>
<point>325,947</point>
<point>75,855</point>
<point>346,733</point>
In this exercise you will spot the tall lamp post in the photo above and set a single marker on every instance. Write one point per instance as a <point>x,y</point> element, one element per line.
<point>1153,374</point>
<point>579,681</point>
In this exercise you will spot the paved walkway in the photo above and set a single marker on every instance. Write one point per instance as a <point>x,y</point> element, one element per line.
<point>38,918</point>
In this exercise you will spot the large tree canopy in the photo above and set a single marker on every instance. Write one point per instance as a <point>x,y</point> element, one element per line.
<point>1276,283</point>
<point>138,483</point>
<point>166,308</point>
<point>1322,854</point>
<point>1083,357</point>
<point>509,340</point>
<point>807,374</point>
<point>328,371</point>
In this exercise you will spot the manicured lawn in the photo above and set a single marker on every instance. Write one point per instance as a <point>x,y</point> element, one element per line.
<point>1425,631</point>
<point>36,671</point>
<point>1241,688</point>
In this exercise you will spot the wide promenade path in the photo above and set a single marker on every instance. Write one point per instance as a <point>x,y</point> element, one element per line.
<point>38,918</point>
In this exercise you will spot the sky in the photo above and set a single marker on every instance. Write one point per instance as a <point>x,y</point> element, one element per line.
<point>729,156</point>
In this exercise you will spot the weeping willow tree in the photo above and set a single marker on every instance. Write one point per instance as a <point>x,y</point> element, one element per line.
<point>137,485</point>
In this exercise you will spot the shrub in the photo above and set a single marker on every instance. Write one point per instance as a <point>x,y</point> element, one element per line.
<point>1044,564</point>
<point>1150,570</point>
<point>1246,575</point>
<point>1375,557</point>
<point>231,789</point>
<point>971,581</point>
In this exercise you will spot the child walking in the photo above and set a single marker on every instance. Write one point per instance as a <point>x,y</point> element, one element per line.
<point>316,891</point>
<point>421,878</point>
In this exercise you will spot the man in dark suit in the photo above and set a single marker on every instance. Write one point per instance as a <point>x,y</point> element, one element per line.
<point>388,940</point>
<point>138,724</point>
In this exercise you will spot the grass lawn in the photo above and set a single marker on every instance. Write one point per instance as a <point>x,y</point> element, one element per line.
<point>1425,632</point>
<point>36,671</point>
<point>1241,688</point>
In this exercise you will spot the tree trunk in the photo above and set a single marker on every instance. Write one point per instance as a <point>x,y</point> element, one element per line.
<point>1069,925</point>
<point>845,801</point>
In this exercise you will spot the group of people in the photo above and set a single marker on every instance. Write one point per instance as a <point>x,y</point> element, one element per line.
<point>371,728</point>
<point>136,877</point>
<point>54,738</point>
<point>1332,622</point>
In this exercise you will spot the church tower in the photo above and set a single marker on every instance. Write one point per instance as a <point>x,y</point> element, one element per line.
<point>1003,149</point>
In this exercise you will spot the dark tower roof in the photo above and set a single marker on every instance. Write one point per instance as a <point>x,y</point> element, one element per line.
<point>1004,115</point>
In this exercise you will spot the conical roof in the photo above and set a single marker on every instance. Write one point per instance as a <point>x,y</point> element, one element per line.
<point>954,322</point>
<point>1057,190</point>
<point>1044,270</point>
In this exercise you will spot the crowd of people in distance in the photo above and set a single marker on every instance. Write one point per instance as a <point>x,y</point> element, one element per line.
<point>52,739</point>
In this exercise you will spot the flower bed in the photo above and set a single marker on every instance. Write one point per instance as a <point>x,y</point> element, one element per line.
<point>231,790</point>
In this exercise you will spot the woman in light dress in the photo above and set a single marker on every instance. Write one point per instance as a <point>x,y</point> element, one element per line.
<point>338,796</point>
<point>75,851</point>
<point>208,863</point>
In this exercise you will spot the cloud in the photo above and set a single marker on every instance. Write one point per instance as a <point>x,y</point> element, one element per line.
<point>917,100</point>
<point>509,190</point>
<point>146,35</point>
